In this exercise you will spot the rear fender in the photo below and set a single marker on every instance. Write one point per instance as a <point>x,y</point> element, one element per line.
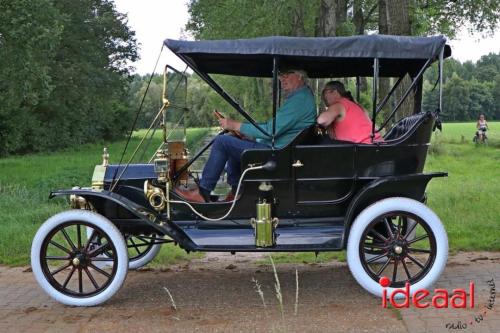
<point>408,186</point>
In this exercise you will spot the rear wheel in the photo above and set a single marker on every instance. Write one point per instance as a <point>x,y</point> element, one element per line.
<point>69,266</point>
<point>406,227</point>
<point>398,238</point>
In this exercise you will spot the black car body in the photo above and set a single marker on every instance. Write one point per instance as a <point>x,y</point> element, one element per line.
<point>306,196</point>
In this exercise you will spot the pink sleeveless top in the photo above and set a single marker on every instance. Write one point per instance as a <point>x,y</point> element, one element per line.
<point>355,127</point>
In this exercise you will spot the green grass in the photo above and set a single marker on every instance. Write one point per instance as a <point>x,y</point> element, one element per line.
<point>26,181</point>
<point>462,133</point>
<point>466,201</point>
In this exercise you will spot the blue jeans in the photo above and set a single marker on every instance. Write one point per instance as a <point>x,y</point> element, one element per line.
<point>226,148</point>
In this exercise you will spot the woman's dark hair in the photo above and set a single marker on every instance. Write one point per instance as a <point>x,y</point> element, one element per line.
<point>339,86</point>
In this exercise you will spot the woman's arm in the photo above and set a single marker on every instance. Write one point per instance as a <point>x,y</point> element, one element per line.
<point>331,114</point>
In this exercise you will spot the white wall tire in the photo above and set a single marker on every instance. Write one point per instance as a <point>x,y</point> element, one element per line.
<point>62,241</point>
<point>396,250</point>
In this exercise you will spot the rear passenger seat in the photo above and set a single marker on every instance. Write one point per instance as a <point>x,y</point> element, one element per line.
<point>406,124</point>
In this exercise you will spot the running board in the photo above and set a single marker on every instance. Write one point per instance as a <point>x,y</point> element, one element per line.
<point>323,238</point>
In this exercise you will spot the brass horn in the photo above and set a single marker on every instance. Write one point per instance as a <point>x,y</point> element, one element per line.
<point>155,196</point>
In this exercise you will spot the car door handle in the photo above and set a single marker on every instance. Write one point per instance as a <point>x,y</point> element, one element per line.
<point>297,164</point>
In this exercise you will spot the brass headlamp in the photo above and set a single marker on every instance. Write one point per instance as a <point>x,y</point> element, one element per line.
<point>161,166</point>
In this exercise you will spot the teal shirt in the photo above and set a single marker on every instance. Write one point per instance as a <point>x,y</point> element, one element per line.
<point>297,112</point>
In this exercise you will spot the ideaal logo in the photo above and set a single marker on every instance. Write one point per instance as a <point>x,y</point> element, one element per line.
<point>439,300</point>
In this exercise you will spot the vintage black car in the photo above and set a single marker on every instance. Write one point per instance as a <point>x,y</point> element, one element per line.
<point>315,194</point>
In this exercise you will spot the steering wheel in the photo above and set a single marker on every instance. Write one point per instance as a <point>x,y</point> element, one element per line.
<point>219,115</point>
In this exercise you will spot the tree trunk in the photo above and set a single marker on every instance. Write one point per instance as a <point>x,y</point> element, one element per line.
<point>357,17</point>
<point>331,14</point>
<point>363,10</point>
<point>382,18</point>
<point>298,28</point>
<point>398,22</point>
<point>340,16</point>
<point>359,20</point>
<point>383,83</point>
<point>398,17</point>
<point>326,23</point>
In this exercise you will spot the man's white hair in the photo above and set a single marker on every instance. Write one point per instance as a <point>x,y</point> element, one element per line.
<point>302,73</point>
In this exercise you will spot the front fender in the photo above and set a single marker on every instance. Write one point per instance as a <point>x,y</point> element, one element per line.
<point>147,216</point>
<point>408,186</point>
<point>94,196</point>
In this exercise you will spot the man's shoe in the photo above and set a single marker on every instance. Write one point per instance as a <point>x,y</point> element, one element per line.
<point>230,197</point>
<point>190,195</point>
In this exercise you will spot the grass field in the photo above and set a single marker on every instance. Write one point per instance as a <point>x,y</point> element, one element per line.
<point>464,132</point>
<point>466,201</point>
<point>26,181</point>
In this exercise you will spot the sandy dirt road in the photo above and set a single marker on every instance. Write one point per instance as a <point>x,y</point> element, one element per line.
<point>217,294</point>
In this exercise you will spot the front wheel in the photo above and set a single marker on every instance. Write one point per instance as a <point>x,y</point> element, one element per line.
<point>68,265</point>
<point>410,242</point>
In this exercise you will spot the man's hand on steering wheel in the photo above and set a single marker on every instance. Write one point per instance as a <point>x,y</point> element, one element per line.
<point>232,126</point>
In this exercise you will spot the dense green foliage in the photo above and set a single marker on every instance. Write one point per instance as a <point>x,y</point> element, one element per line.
<point>63,73</point>
<point>219,19</point>
<point>469,89</point>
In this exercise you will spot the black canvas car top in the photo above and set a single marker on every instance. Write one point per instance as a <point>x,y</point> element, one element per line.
<point>320,57</point>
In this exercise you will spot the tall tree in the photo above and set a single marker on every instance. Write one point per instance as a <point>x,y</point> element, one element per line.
<point>29,36</point>
<point>219,19</point>
<point>63,73</point>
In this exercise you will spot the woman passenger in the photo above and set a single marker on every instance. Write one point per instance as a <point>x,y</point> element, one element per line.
<point>344,118</point>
